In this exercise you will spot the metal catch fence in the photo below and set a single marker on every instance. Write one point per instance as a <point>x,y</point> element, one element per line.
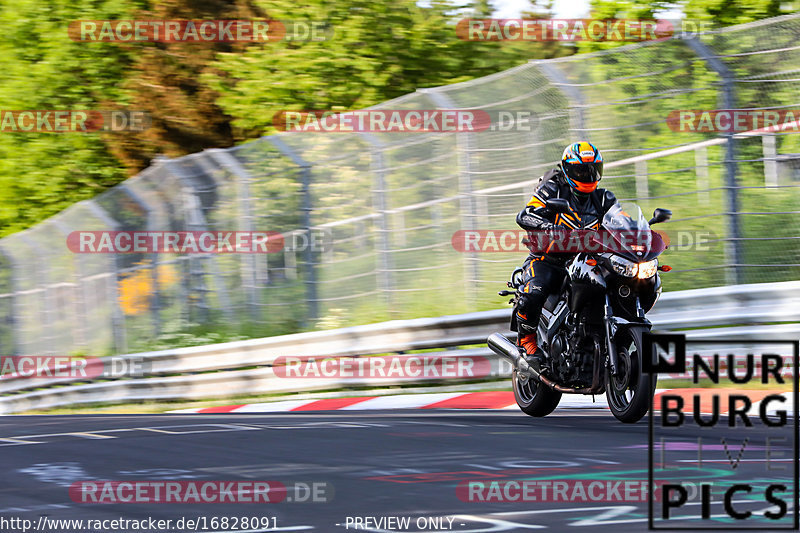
<point>386,205</point>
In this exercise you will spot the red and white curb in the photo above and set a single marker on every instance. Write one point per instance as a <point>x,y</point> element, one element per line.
<point>475,400</point>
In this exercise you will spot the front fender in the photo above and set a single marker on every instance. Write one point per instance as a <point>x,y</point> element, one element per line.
<point>619,324</point>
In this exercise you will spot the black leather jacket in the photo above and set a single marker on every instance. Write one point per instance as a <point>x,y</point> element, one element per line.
<point>587,212</point>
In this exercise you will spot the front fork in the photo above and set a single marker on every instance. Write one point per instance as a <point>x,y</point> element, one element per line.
<point>608,318</point>
<point>611,323</point>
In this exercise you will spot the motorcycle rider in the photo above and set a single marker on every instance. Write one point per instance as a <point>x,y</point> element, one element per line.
<point>575,180</point>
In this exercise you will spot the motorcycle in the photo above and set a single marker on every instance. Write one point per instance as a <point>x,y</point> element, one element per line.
<point>591,330</point>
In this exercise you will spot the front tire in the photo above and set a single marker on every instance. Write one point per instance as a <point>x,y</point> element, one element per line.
<point>534,398</point>
<point>630,393</point>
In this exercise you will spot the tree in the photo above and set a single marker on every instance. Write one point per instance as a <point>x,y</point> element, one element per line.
<point>731,12</point>
<point>165,81</point>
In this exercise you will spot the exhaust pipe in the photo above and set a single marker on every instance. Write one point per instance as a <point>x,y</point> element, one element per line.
<point>509,351</point>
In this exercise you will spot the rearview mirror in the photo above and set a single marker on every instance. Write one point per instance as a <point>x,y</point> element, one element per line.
<point>558,205</point>
<point>660,215</point>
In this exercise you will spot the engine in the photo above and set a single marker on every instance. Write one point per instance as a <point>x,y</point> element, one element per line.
<point>571,359</point>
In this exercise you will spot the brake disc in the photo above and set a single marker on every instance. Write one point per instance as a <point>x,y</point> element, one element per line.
<point>622,379</point>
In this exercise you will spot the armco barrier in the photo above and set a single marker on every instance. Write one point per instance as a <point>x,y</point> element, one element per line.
<point>742,312</point>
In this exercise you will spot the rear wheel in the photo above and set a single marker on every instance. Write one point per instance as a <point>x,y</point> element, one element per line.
<point>534,398</point>
<point>630,392</point>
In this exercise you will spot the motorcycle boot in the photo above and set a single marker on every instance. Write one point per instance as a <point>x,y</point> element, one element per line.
<point>526,339</point>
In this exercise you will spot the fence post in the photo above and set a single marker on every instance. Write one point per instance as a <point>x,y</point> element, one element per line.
<point>245,223</point>
<point>728,97</point>
<point>305,178</point>
<point>43,280</point>
<point>13,319</point>
<point>79,318</point>
<point>379,204</point>
<point>220,288</point>
<point>117,317</point>
<point>577,118</point>
<point>195,221</point>
<point>154,258</point>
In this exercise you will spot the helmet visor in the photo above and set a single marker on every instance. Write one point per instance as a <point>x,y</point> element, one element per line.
<point>584,172</point>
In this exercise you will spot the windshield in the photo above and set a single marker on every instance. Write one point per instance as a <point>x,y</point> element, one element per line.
<point>630,229</point>
<point>625,217</point>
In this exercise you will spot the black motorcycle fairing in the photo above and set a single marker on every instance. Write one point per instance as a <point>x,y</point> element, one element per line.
<point>587,281</point>
<point>624,291</point>
<point>649,292</point>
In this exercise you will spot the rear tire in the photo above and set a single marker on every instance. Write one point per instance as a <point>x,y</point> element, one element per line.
<point>630,394</point>
<point>534,398</point>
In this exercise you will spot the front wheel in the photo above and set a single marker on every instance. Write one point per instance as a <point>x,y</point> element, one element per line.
<point>630,392</point>
<point>534,398</point>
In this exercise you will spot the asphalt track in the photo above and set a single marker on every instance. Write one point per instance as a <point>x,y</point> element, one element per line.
<point>374,464</point>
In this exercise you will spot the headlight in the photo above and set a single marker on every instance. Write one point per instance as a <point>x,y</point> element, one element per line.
<point>648,269</point>
<point>623,267</point>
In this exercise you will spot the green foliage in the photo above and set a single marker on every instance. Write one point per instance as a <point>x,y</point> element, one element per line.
<point>731,12</point>
<point>42,173</point>
<point>719,13</point>
<point>213,95</point>
<point>378,51</point>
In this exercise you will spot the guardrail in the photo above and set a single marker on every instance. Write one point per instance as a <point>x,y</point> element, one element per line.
<point>743,312</point>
